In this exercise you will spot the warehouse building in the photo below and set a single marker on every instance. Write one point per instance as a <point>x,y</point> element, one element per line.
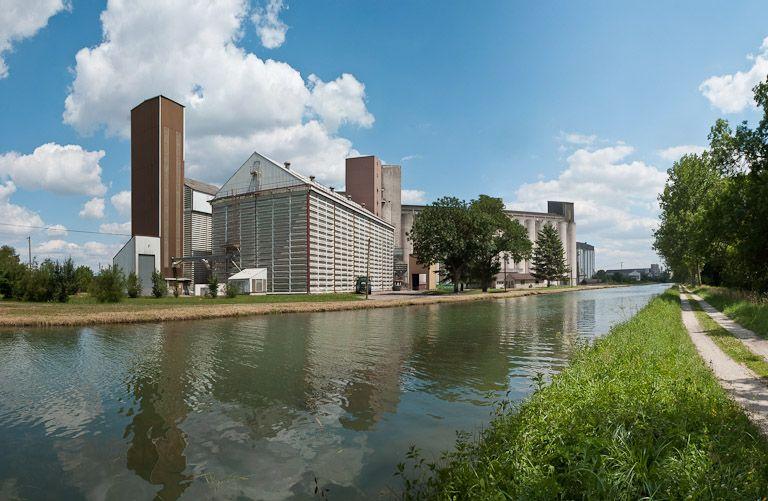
<point>308,237</point>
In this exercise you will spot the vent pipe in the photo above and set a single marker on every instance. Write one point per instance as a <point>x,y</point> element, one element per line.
<point>287,165</point>
<point>312,178</point>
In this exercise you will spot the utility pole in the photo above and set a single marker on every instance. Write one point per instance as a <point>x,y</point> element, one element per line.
<point>29,249</point>
<point>368,270</point>
<point>506,258</point>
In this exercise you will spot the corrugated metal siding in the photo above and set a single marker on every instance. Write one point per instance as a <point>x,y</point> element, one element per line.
<point>271,232</point>
<point>339,247</point>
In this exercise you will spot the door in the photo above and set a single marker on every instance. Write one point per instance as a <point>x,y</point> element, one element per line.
<point>146,267</point>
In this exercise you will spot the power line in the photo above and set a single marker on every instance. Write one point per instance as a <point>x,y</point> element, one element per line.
<point>65,230</point>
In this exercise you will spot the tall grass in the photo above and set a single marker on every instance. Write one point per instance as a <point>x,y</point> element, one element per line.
<point>638,414</point>
<point>747,308</point>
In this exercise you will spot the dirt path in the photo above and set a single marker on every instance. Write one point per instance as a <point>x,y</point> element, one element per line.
<point>744,386</point>
<point>754,342</point>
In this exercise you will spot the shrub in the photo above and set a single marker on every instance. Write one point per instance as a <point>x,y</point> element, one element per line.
<point>133,285</point>
<point>83,278</point>
<point>108,285</point>
<point>159,287</point>
<point>176,290</point>
<point>213,286</point>
<point>11,272</point>
<point>37,284</point>
<point>233,289</point>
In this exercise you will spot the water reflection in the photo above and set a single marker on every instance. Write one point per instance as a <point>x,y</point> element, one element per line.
<point>263,406</point>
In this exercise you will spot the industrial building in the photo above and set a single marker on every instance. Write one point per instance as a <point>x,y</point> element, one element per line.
<point>585,261</point>
<point>170,214</point>
<point>275,230</point>
<point>308,237</point>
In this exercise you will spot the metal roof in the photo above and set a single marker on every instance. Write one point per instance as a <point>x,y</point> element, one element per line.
<point>200,186</point>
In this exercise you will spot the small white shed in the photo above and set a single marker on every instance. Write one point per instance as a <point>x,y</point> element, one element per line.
<point>250,280</point>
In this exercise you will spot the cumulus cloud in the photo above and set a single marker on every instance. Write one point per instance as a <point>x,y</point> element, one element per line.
<point>93,209</point>
<point>20,19</point>
<point>413,196</point>
<point>16,219</point>
<point>232,97</point>
<point>269,27</point>
<point>122,202</point>
<point>675,152</point>
<point>90,254</point>
<point>615,202</point>
<point>732,93</point>
<point>119,228</point>
<point>67,170</point>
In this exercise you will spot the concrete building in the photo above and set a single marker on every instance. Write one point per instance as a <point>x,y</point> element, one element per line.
<point>585,261</point>
<point>559,214</point>
<point>308,237</point>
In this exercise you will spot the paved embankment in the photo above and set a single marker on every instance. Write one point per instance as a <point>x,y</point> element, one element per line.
<point>101,314</point>
<point>754,342</point>
<point>748,389</point>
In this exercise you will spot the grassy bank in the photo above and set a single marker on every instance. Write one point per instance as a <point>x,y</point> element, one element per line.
<point>636,415</point>
<point>745,308</point>
<point>732,346</point>
<point>85,311</point>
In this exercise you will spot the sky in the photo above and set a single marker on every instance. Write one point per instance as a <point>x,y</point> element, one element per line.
<point>589,102</point>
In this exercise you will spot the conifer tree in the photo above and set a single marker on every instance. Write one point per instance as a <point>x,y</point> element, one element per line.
<point>548,260</point>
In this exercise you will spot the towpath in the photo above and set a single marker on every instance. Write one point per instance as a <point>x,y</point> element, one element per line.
<point>748,389</point>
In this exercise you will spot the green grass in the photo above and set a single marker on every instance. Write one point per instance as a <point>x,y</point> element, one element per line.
<point>731,345</point>
<point>745,308</point>
<point>86,303</point>
<point>638,414</point>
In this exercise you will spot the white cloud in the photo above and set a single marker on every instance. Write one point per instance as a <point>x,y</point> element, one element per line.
<point>20,19</point>
<point>615,202</point>
<point>90,254</point>
<point>269,27</point>
<point>60,169</point>
<point>232,97</point>
<point>340,101</point>
<point>408,158</point>
<point>413,196</point>
<point>16,219</point>
<point>673,153</point>
<point>576,138</point>
<point>58,230</point>
<point>732,93</point>
<point>122,202</point>
<point>122,228</point>
<point>93,209</point>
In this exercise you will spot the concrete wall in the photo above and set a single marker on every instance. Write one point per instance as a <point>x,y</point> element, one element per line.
<point>391,199</point>
<point>127,259</point>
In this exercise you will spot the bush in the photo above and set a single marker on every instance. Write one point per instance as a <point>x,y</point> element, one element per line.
<point>109,285</point>
<point>159,287</point>
<point>83,278</point>
<point>213,286</point>
<point>233,289</point>
<point>133,285</point>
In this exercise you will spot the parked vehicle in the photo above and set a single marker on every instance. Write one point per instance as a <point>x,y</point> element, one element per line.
<point>360,285</point>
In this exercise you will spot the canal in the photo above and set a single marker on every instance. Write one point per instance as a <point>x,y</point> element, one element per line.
<point>265,407</point>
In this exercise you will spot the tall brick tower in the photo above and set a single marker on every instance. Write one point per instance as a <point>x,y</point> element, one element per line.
<point>157,175</point>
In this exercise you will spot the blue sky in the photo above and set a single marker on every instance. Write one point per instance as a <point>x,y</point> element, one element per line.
<point>580,101</point>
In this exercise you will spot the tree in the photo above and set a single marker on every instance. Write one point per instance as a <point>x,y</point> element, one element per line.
<point>548,259</point>
<point>159,287</point>
<point>133,285</point>
<point>108,285</point>
<point>213,286</point>
<point>685,237</point>
<point>443,233</point>
<point>11,272</point>
<point>68,277</point>
<point>83,278</point>
<point>498,237</point>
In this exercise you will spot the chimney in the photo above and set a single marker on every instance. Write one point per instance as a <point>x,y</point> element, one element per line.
<point>287,165</point>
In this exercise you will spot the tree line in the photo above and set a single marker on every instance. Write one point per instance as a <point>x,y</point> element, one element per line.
<point>714,207</point>
<point>472,239</point>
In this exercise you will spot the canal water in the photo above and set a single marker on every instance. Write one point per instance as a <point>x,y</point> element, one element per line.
<point>268,407</point>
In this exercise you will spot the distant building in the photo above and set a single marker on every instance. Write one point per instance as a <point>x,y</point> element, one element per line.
<point>655,271</point>
<point>635,275</point>
<point>585,261</point>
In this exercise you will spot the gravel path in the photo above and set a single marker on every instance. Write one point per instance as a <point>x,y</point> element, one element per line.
<point>744,386</point>
<point>754,342</point>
